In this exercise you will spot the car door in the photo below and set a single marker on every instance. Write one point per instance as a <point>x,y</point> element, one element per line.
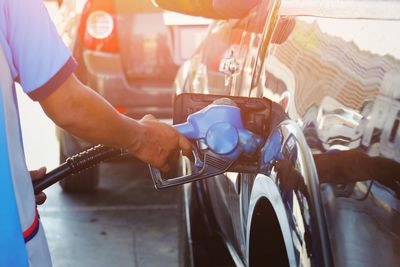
<point>338,77</point>
<point>238,63</point>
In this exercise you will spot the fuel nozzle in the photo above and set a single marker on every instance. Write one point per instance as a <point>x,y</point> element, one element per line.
<point>219,128</point>
<point>220,136</point>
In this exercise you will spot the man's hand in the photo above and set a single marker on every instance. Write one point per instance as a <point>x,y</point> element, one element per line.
<point>160,144</point>
<point>37,175</point>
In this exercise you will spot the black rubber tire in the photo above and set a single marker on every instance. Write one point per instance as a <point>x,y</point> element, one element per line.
<point>85,181</point>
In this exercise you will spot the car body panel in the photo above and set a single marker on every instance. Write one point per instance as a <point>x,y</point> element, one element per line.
<point>145,44</point>
<point>334,68</point>
<point>230,49</point>
<point>349,100</point>
<point>265,187</point>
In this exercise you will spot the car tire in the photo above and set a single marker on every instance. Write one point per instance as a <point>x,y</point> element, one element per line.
<point>84,181</point>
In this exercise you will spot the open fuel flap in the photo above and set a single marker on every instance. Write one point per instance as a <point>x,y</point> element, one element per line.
<point>227,134</point>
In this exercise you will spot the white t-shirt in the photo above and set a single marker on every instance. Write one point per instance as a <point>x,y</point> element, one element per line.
<point>37,58</point>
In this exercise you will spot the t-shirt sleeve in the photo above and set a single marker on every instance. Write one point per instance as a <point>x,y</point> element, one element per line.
<point>41,59</point>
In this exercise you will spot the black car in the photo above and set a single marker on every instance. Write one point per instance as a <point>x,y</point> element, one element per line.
<point>325,190</point>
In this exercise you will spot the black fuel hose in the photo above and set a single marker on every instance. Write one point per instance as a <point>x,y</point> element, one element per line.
<point>77,163</point>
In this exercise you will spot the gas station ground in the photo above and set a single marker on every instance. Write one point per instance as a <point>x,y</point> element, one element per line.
<point>126,222</point>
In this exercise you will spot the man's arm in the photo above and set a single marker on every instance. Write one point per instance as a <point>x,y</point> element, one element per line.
<point>44,67</point>
<point>85,114</point>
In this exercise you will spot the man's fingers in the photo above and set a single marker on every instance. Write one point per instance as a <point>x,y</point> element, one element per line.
<point>165,168</point>
<point>38,174</point>
<point>41,172</point>
<point>149,117</point>
<point>174,157</point>
<point>170,161</point>
<point>40,198</point>
<point>185,145</point>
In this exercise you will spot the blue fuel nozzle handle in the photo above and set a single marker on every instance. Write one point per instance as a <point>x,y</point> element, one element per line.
<point>220,136</point>
<point>221,129</point>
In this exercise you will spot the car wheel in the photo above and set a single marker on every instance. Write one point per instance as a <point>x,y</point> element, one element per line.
<point>84,181</point>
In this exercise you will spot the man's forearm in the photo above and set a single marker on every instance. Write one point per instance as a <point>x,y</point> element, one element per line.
<point>84,113</point>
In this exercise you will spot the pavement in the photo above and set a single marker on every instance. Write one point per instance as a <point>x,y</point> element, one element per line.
<point>126,222</point>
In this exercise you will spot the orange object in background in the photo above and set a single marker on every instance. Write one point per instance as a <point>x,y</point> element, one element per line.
<point>120,109</point>
<point>98,28</point>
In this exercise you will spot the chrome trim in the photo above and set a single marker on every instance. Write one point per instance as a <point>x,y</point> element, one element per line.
<point>235,256</point>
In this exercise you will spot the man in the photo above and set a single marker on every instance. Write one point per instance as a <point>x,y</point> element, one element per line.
<point>36,57</point>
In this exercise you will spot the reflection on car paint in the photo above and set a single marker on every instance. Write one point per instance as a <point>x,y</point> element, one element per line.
<point>338,81</point>
<point>358,76</point>
<point>285,163</point>
<point>345,95</point>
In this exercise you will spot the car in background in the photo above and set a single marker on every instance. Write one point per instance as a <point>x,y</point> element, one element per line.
<point>329,74</point>
<point>128,54</point>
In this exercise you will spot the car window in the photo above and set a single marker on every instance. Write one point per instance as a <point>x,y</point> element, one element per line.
<point>145,43</point>
<point>230,52</point>
<point>223,41</point>
<point>254,42</point>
